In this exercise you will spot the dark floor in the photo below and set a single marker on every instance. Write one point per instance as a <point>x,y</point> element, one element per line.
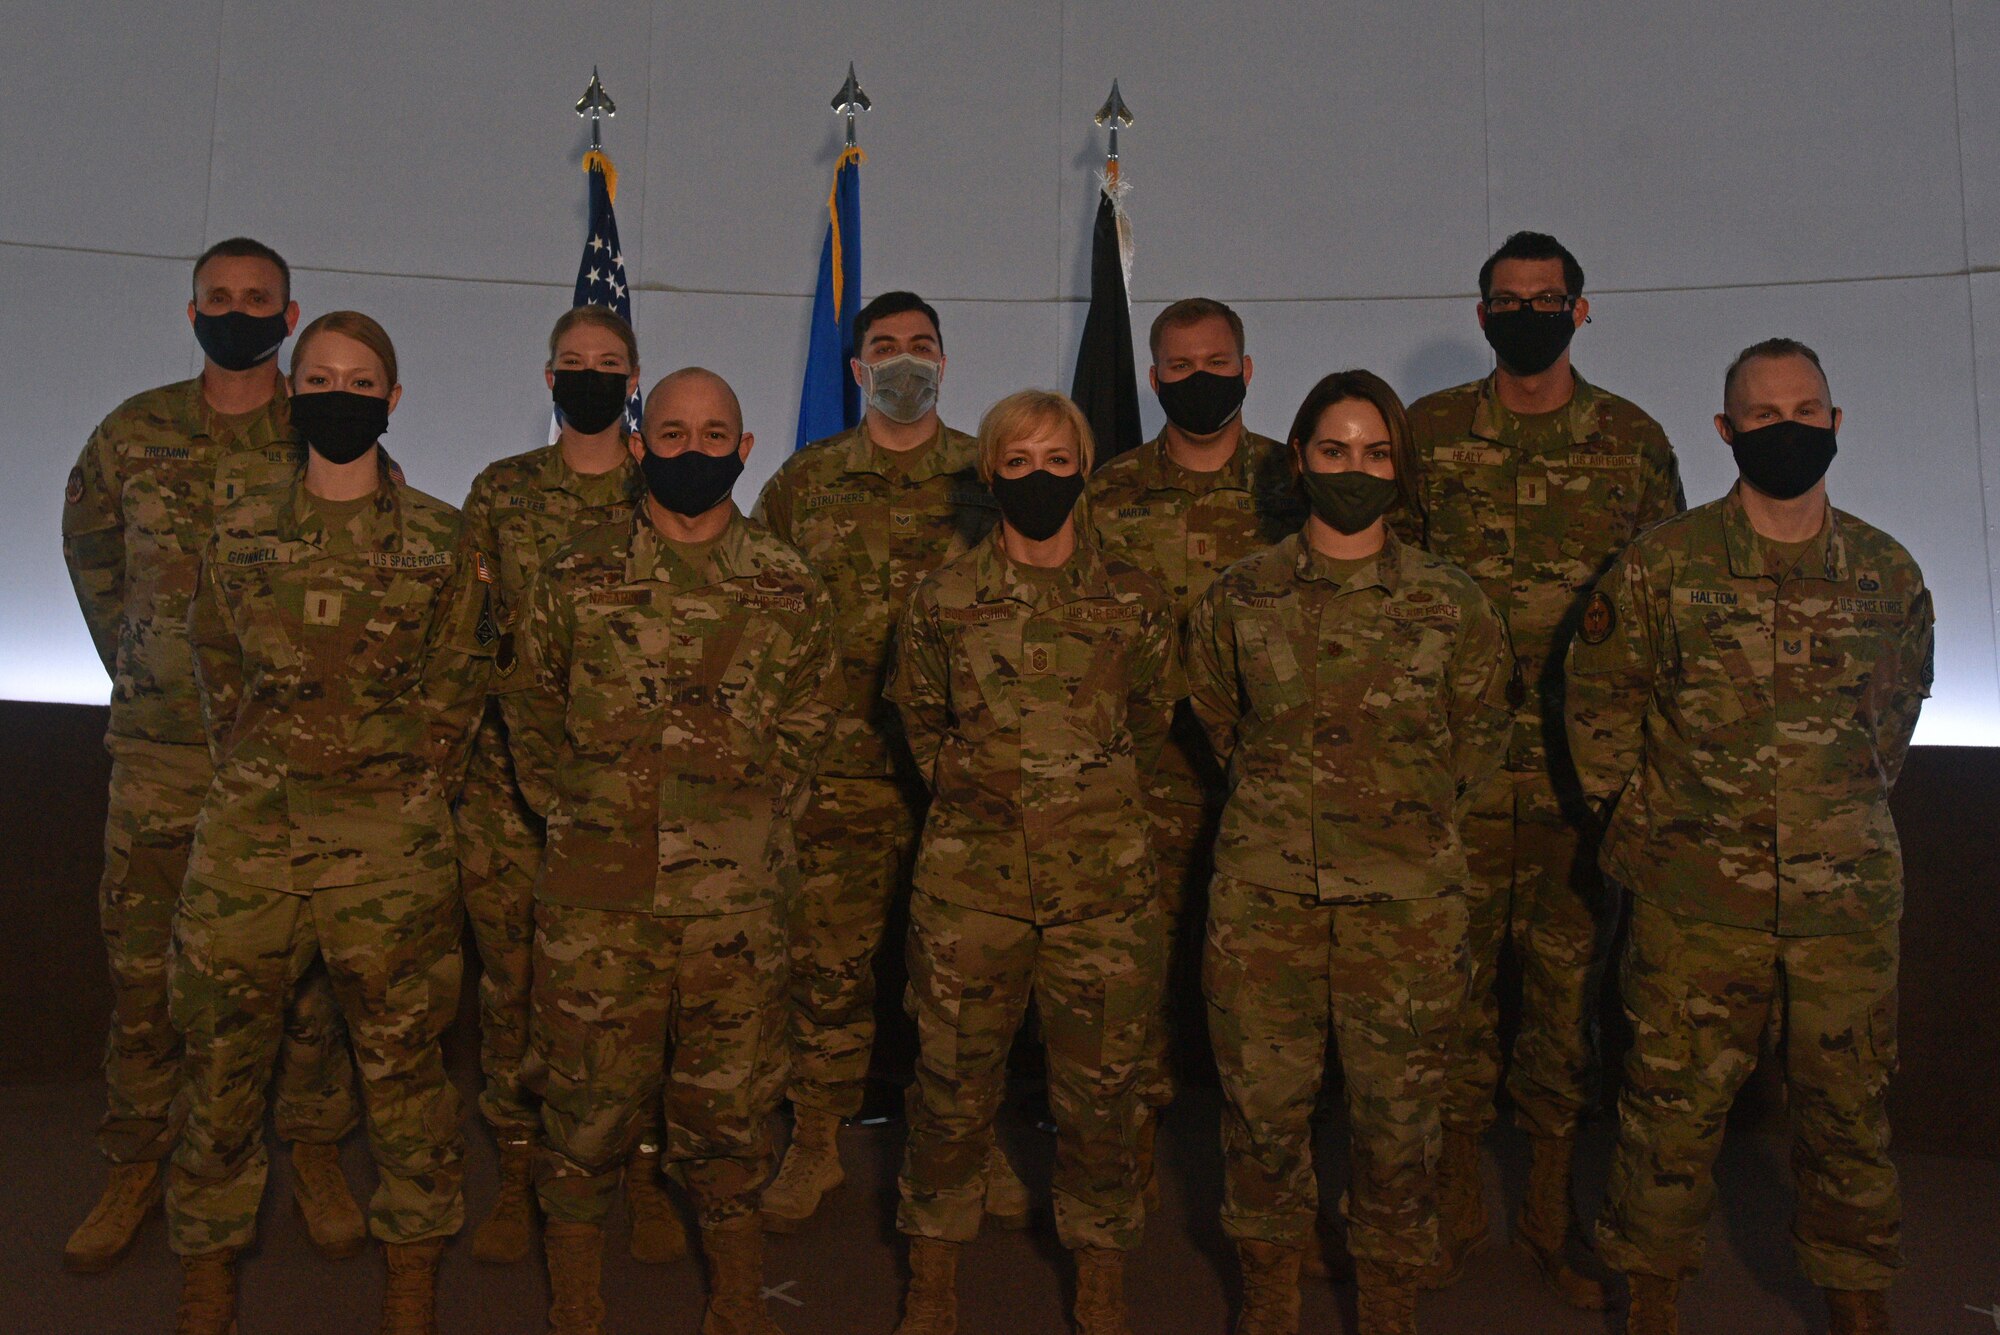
<point>842,1274</point>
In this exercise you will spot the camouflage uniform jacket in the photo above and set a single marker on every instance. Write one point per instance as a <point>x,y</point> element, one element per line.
<point>1750,728</point>
<point>666,714</point>
<point>138,513</point>
<point>520,510</point>
<point>872,523</point>
<point>1536,524</point>
<point>1184,529</point>
<point>1355,718</point>
<point>1035,702</point>
<point>341,676</point>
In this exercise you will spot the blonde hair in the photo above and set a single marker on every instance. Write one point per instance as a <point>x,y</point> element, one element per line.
<point>361,328</point>
<point>603,317</point>
<point>1029,412</point>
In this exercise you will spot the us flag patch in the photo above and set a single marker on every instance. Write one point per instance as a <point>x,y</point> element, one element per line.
<point>481,568</point>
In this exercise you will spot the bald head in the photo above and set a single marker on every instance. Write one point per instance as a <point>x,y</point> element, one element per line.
<point>693,395</point>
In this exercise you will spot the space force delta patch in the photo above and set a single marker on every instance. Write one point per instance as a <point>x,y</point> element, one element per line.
<point>1600,618</point>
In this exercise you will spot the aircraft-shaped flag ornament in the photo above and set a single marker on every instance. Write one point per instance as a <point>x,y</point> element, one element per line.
<point>596,104</point>
<point>1113,115</point>
<point>850,101</point>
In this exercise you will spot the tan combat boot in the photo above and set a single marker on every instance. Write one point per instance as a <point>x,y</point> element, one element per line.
<point>131,1193</point>
<point>409,1302</point>
<point>325,1203</point>
<point>509,1231</point>
<point>1385,1298</point>
<point>811,1169</point>
<point>1858,1312</point>
<point>1006,1194</point>
<point>1655,1305</point>
<point>930,1304</point>
<point>208,1295</point>
<point>1544,1225</point>
<point>1100,1291</point>
<point>736,1282</point>
<point>1270,1288</point>
<point>1461,1205</point>
<point>658,1236</point>
<point>576,1266</point>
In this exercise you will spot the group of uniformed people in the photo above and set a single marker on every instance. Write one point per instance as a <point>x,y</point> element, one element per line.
<point>1343,713</point>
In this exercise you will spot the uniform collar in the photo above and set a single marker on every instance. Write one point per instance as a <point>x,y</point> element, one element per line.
<point>299,521</point>
<point>1158,471</point>
<point>653,557</point>
<point>1825,557</point>
<point>197,420</point>
<point>946,452</point>
<point>620,484</point>
<point>1581,410</point>
<point>996,578</point>
<point>1383,571</point>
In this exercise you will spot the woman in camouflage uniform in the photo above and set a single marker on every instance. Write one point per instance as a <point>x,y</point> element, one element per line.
<point>1036,679</point>
<point>341,644</point>
<point>1356,688</point>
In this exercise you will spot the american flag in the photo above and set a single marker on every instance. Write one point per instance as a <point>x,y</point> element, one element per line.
<point>600,274</point>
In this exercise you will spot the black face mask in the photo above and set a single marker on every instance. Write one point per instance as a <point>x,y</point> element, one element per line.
<point>691,483</point>
<point>237,341</point>
<point>339,424</point>
<point>1203,403</point>
<point>1035,504</point>
<point>1784,459</point>
<point>1529,341</point>
<point>591,400</point>
<point>1350,501</point>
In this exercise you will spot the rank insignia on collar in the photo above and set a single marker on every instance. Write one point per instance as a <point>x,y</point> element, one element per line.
<point>1600,618</point>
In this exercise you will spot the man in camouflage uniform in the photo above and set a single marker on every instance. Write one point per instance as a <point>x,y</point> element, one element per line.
<point>1036,696</point>
<point>873,511</point>
<point>521,509</point>
<point>677,677</point>
<point>139,509</point>
<point>1532,480</point>
<point>1743,687</point>
<point>1356,688</point>
<point>341,650</point>
<point>1187,505</point>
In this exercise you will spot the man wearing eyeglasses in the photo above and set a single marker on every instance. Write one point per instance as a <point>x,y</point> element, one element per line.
<point>1533,480</point>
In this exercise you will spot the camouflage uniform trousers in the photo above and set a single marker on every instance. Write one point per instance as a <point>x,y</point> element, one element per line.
<point>1183,842</point>
<point>1534,878</point>
<point>499,852</point>
<point>1700,995</point>
<point>1387,979</point>
<point>156,793</point>
<point>392,949</point>
<point>1095,984</point>
<point>855,840</point>
<point>625,1002</point>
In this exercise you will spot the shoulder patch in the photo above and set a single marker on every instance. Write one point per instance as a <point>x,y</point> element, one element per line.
<point>1600,618</point>
<point>73,492</point>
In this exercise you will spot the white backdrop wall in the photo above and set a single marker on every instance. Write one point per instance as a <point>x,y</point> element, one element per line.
<point>1725,171</point>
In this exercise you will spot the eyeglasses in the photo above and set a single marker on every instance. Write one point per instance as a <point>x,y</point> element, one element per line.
<point>1547,303</point>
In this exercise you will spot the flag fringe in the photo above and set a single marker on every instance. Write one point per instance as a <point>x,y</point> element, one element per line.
<point>850,154</point>
<point>597,160</point>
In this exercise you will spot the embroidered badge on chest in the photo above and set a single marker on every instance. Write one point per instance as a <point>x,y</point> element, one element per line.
<point>323,607</point>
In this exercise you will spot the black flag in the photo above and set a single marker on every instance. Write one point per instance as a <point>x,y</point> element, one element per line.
<point>1106,386</point>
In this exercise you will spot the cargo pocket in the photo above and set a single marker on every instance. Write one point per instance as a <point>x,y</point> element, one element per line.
<point>931,999</point>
